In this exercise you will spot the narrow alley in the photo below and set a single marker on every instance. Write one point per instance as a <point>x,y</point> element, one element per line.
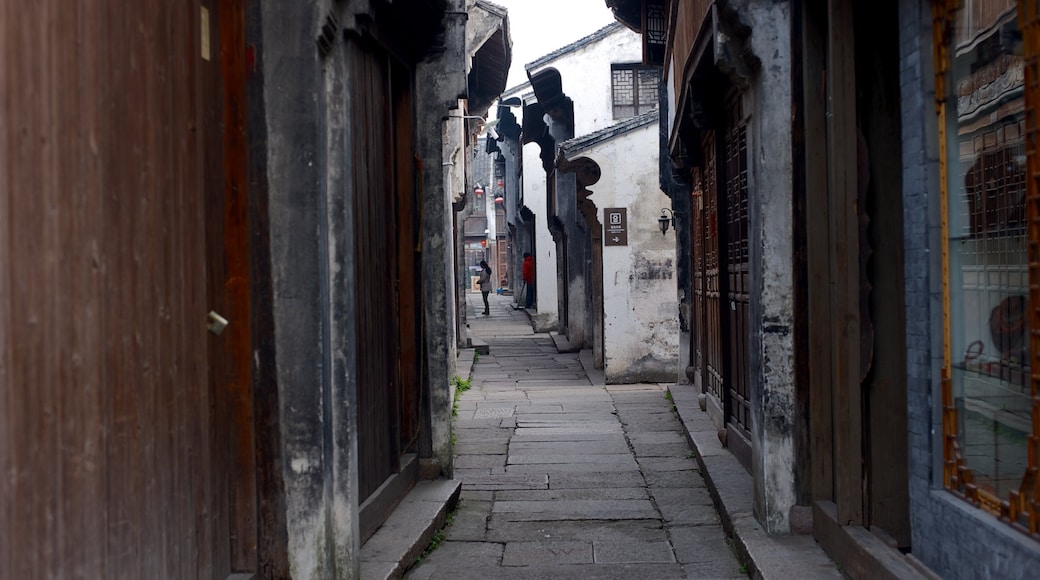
<point>565,477</point>
<point>765,294</point>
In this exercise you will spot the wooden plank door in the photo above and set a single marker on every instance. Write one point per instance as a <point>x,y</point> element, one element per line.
<point>376,265</point>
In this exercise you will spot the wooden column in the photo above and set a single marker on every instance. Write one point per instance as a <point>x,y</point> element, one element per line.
<point>844,263</point>
<point>818,243</point>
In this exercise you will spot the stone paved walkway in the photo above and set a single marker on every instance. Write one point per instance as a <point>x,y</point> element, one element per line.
<point>564,477</point>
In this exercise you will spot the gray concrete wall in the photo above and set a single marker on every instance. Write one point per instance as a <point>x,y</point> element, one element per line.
<point>311,249</point>
<point>311,309</point>
<point>566,185</point>
<point>951,536</point>
<point>517,234</point>
<point>681,204</point>
<point>771,236</point>
<point>440,81</point>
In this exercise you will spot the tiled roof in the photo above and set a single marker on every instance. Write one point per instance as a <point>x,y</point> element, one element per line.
<point>580,144</point>
<point>594,37</point>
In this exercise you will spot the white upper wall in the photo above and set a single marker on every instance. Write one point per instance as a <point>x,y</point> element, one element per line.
<point>640,309</point>
<point>585,71</point>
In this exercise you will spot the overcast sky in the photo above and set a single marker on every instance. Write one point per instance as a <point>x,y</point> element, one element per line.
<point>539,27</point>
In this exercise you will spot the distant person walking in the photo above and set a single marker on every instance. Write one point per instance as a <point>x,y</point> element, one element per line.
<point>528,271</point>
<point>484,281</point>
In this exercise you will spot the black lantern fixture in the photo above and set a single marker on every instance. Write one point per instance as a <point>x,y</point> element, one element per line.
<point>667,218</point>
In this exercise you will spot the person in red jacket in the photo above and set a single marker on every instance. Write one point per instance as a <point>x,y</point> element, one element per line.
<point>528,272</point>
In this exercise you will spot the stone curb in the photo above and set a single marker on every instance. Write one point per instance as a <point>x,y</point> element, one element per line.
<point>766,557</point>
<point>393,549</point>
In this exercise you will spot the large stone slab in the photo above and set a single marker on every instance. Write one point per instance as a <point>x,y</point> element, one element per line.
<point>649,437</point>
<point>606,493</point>
<point>547,553</point>
<point>493,412</point>
<point>679,449</point>
<point>481,448</point>
<point>631,551</point>
<point>682,495</point>
<point>605,446</point>
<point>479,461</point>
<point>461,560</point>
<point>575,509</point>
<point>701,544</point>
<point>632,478</point>
<point>684,479</point>
<point>504,530</point>
<point>623,460</point>
<point>683,513</point>
<point>659,464</point>
<point>495,482</point>
<point>538,408</point>
<point>567,427</point>
<point>470,522</point>
<point>484,434</point>
<point>517,396</point>
<point>557,468</point>
<point>469,421</point>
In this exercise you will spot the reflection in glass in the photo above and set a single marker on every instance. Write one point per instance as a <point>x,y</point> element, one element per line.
<point>989,281</point>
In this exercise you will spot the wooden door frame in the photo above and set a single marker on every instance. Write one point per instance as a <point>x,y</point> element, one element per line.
<point>229,257</point>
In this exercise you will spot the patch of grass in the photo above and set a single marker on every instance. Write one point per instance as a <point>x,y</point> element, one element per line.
<point>461,386</point>
<point>476,357</point>
<point>671,402</point>
<point>743,569</point>
<point>438,536</point>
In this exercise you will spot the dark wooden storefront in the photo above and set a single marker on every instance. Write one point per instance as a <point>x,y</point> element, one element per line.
<point>128,427</point>
<point>720,277</point>
<point>854,366</point>
<point>388,319</point>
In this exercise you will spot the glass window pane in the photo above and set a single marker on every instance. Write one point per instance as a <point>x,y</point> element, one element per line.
<point>989,281</point>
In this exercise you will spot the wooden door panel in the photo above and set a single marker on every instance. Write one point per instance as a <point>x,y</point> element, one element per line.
<point>712,283</point>
<point>737,297</point>
<point>376,266</point>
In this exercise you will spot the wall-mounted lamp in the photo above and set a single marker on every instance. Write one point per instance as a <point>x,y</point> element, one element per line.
<point>667,218</point>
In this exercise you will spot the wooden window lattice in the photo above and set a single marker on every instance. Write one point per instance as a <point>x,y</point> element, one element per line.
<point>737,267</point>
<point>633,89</point>
<point>655,21</point>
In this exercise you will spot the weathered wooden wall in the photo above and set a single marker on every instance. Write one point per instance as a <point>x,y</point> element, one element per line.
<point>689,17</point>
<point>105,405</point>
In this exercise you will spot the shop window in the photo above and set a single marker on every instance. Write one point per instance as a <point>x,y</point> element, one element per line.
<point>633,89</point>
<point>990,436</point>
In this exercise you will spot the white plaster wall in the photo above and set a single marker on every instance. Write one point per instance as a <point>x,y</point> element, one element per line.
<point>586,77</point>
<point>640,310</point>
<point>545,247</point>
